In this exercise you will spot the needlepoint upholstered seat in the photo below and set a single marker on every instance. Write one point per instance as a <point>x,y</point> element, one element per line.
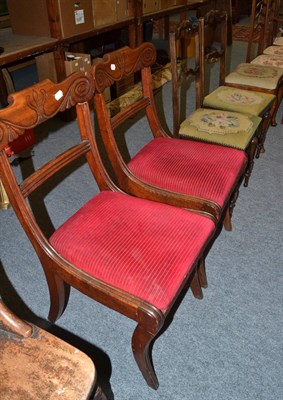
<point>255,75</point>
<point>239,100</point>
<point>212,122</point>
<point>278,41</point>
<point>219,126</point>
<point>262,71</point>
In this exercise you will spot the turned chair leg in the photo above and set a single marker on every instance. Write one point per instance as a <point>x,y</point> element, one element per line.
<point>277,105</point>
<point>227,220</point>
<point>141,346</point>
<point>195,285</point>
<point>202,275</point>
<point>228,215</point>
<point>59,292</point>
<point>251,156</point>
<point>260,148</point>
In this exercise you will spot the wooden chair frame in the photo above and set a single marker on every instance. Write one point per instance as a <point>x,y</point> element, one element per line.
<point>262,22</point>
<point>257,29</point>
<point>204,32</point>
<point>31,107</point>
<point>115,66</point>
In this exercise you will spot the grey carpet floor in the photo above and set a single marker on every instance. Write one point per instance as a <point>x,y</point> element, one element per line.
<point>227,346</point>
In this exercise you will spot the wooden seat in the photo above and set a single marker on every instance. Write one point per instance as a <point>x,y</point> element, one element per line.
<point>222,116</point>
<point>133,254</point>
<point>37,365</point>
<point>178,170</point>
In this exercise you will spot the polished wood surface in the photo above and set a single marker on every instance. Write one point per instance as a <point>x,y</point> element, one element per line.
<point>207,51</point>
<point>36,364</point>
<point>19,47</point>
<point>127,61</point>
<point>30,108</point>
<point>261,23</point>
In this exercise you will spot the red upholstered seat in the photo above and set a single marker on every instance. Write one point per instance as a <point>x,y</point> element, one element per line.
<point>178,165</point>
<point>142,247</point>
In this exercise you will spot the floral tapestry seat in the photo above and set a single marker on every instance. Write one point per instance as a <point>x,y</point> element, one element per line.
<point>243,101</point>
<point>255,75</point>
<point>259,78</point>
<point>227,128</point>
<point>274,51</point>
<point>278,41</point>
<point>269,60</point>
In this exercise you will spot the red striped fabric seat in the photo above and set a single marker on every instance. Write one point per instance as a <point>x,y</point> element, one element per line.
<point>142,247</point>
<point>190,167</point>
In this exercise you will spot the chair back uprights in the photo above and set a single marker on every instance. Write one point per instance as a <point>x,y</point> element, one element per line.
<point>183,44</point>
<point>265,25</point>
<point>274,22</point>
<point>213,24</point>
<point>257,29</point>
<point>208,37</point>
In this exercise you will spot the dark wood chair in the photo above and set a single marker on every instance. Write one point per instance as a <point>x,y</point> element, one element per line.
<point>38,365</point>
<point>249,112</point>
<point>201,175</point>
<point>275,24</point>
<point>262,72</point>
<point>264,29</point>
<point>135,255</point>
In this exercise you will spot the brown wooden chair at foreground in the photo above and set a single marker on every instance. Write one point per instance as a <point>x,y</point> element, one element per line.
<point>226,116</point>
<point>134,255</point>
<point>37,365</point>
<point>194,173</point>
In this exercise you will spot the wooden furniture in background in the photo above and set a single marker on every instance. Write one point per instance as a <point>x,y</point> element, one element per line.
<point>35,364</point>
<point>265,23</point>
<point>261,73</point>
<point>248,127</point>
<point>163,14</point>
<point>21,47</point>
<point>239,8</point>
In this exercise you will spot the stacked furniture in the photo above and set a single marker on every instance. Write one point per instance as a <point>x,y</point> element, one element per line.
<point>226,116</point>
<point>265,76</point>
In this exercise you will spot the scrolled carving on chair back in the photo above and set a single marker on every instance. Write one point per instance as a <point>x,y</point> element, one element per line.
<point>121,63</point>
<point>36,104</point>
